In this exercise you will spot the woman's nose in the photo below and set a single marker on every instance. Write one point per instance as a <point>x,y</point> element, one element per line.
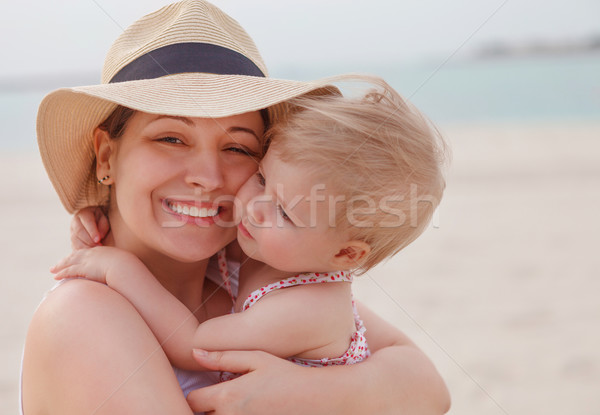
<point>205,171</point>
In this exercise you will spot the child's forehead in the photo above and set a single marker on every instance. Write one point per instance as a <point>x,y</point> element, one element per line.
<point>291,172</point>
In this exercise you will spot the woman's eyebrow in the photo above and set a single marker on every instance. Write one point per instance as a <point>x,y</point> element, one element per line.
<point>175,117</point>
<point>244,129</point>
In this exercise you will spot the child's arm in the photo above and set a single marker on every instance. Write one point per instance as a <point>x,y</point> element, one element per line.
<point>171,322</point>
<point>313,318</point>
<point>310,321</point>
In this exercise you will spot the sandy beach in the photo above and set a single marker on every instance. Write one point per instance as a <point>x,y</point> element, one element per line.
<point>501,291</point>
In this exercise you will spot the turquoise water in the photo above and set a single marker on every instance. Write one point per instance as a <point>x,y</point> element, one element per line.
<point>524,89</point>
<point>520,90</point>
<point>511,90</point>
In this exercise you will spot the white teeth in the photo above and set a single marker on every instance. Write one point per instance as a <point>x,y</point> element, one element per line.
<point>193,211</point>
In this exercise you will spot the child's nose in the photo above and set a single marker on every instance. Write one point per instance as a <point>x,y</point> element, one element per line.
<point>256,210</point>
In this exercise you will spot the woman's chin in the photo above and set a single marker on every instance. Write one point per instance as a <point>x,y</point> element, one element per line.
<point>197,245</point>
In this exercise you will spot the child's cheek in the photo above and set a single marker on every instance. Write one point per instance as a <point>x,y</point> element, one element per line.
<point>280,246</point>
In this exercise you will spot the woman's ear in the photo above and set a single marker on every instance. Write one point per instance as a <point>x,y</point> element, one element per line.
<point>351,255</point>
<point>104,149</point>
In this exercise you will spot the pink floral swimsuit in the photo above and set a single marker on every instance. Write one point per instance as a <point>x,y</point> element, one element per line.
<point>358,349</point>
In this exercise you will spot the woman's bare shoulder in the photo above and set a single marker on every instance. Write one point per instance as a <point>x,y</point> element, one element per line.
<point>73,299</point>
<point>67,313</point>
<point>71,317</point>
<point>56,332</point>
<point>84,332</point>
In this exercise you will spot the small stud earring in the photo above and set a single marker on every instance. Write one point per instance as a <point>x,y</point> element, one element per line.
<point>103,179</point>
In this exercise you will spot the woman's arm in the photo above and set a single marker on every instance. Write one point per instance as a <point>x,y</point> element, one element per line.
<point>398,378</point>
<point>415,385</point>
<point>89,351</point>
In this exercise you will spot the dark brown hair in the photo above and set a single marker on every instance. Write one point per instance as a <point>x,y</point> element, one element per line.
<point>116,122</point>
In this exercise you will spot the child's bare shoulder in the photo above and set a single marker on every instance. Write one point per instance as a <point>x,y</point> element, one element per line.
<point>312,306</point>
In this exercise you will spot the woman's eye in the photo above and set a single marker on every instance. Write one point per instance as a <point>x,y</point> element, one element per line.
<point>243,151</point>
<point>261,179</point>
<point>172,140</point>
<point>283,214</point>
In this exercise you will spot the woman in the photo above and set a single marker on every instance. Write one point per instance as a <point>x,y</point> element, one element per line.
<point>196,84</point>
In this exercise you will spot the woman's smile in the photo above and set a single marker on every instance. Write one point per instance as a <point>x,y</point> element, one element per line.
<point>193,209</point>
<point>189,211</point>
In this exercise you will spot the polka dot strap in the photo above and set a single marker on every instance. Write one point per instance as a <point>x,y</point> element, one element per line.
<point>224,271</point>
<point>300,279</point>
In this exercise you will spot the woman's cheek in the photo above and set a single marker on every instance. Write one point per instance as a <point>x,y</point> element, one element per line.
<point>240,172</point>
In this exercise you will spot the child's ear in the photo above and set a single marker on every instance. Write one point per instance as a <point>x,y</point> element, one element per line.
<point>351,255</point>
<point>104,147</point>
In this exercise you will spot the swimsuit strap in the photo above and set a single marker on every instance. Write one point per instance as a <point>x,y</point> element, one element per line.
<point>224,271</point>
<point>300,279</point>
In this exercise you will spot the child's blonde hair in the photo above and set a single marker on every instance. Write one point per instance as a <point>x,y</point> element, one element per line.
<point>379,152</point>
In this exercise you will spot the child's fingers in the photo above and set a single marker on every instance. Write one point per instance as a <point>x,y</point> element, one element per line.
<point>82,241</point>
<point>70,260</point>
<point>60,265</point>
<point>103,225</point>
<point>80,238</point>
<point>60,276</point>
<point>68,272</point>
<point>87,217</point>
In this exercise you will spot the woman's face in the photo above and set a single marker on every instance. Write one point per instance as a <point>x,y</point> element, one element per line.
<point>175,179</point>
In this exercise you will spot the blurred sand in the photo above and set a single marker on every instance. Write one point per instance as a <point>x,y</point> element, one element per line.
<point>502,295</point>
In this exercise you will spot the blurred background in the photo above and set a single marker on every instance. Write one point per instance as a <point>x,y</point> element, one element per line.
<point>500,290</point>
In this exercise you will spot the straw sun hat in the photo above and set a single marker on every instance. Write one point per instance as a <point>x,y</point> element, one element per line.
<point>186,59</point>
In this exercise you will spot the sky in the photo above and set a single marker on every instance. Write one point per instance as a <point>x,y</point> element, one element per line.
<point>43,38</point>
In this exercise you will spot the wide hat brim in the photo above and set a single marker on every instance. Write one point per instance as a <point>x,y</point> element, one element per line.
<point>67,117</point>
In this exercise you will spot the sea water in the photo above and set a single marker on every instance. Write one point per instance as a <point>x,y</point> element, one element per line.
<point>526,89</point>
<point>511,89</point>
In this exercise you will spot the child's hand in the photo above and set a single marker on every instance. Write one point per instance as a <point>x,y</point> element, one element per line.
<point>88,227</point>
<point>93,264</point>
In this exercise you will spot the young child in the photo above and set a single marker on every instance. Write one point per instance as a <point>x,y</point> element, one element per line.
<point>345,184</point>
